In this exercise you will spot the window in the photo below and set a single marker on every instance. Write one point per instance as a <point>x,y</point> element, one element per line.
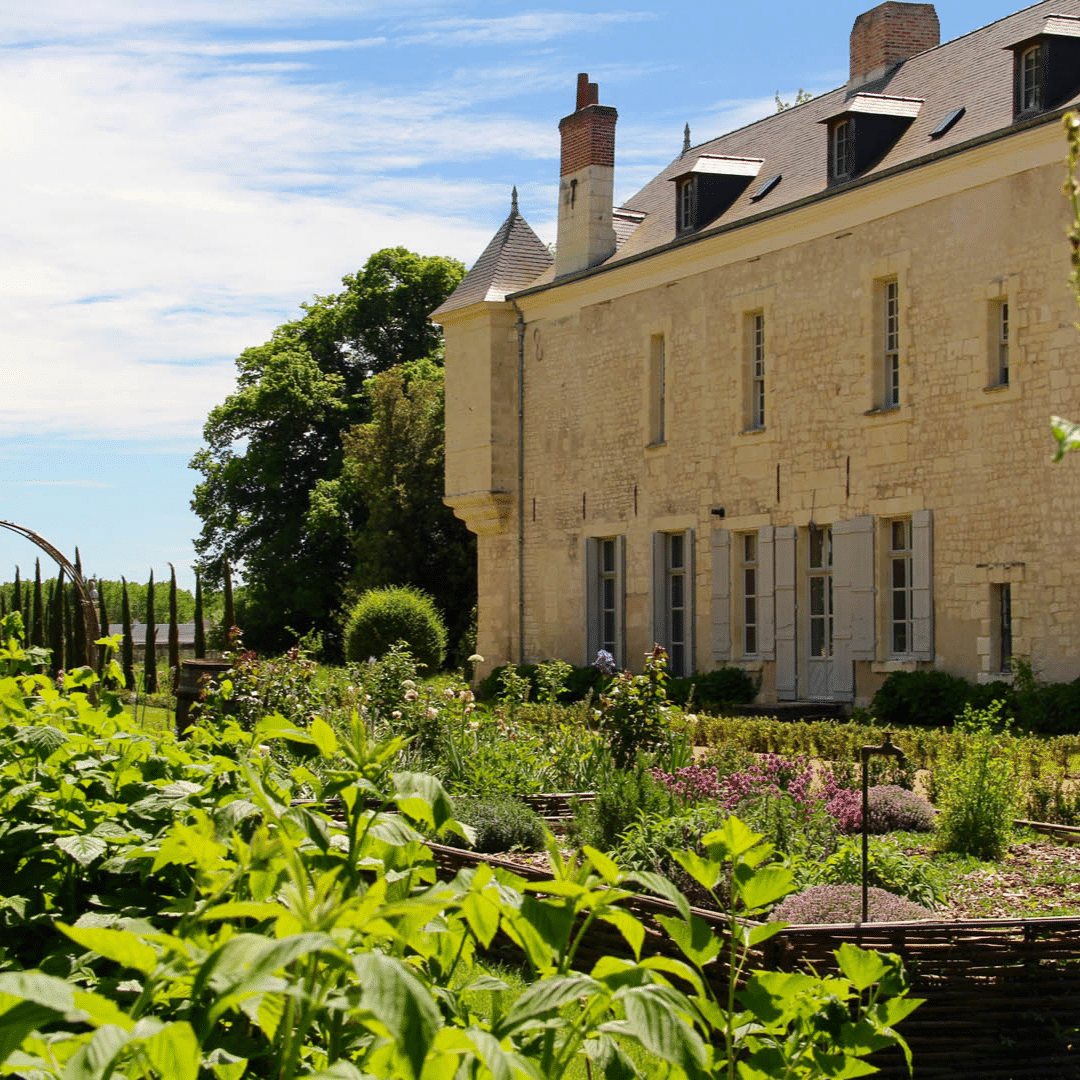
<point>685,205</point>
<point>605,590</point>
<point>749,575</point>
<point>901,555</point>
<point>673,598</point>
<point>1003,628</point>
<point>1029,90</point>
<point>820,585</point>
<point>756,365</point>
<point>999,343</point>
<point>891,356</point>
<point>676,598</point>
<point>657,389</point>
<point>842,150</point>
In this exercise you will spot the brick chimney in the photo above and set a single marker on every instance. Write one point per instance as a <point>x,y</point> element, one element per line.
<point>889,34</point>
<point>586,235</point>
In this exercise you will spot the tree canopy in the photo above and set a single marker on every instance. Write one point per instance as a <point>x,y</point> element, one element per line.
<point>278,441</point>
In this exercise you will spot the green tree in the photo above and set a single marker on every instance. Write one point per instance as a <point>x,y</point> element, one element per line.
<point>280,432</point>
<point>127,646</point>
<point>200,628</point>
<point>150,680</point>
<point>393,470</point>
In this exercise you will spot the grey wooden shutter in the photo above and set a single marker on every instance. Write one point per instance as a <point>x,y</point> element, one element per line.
<point>659,590</point>
<point>592,599</point>
<point>787,681</point>
<point>620,600</point>
<point>691,601</point>
<point>853,575</point>
<point>721,595</point>
<point>922,581</point>
<point>765,586</point>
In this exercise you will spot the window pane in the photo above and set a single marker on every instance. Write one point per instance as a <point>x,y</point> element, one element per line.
<point>899,638</point>
<point>817,547</point>
<point>609,593</point>
<point>750,581</point>
<point>817,596</point>
<point>609,556</point>
<point>675,547</point>
<point>750,642</point>
<point>750,611</point>
<point>899,605</point>
<point>609,629</point>
<point>750,547</point>
<point>817,637</point>
<point>900,535</point>
<point>899,573</point>
<point>677,590</point>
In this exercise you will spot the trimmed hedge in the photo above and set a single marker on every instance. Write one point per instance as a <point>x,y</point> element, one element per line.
<point>936,699</point>
<point>501,823</point>
<point>383,617</point>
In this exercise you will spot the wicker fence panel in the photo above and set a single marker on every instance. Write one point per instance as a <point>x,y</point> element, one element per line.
<point>1002,995</point>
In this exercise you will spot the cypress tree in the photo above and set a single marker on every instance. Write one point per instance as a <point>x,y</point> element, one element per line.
<point>127,646</point>
<point>37,626</point>
<point>174,632</point>
<point>67,616</point>
<point>200,630</point>
<point>80,653</point>
<point>230,614</point>
<point>17,604</point>
<point>150,682</point>
<point>56,624</point>
<point>103,618</point>
<point>3,603</point>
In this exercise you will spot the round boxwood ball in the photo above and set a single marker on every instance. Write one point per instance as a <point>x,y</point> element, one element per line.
<point>383,617</point>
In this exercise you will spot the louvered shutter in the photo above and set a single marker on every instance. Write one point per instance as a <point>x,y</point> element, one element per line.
<point>592,599</point>
<point>765,578</point>
<point>721,595</point>
<point>787,682</point>
<point>853,585</point>
<point>922,580</point>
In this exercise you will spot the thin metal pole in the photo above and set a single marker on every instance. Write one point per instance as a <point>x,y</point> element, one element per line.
<point>865,831</point>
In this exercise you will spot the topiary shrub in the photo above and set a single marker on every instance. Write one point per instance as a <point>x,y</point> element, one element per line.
<point>501,823</point>
<point>822,904</point>
<point>893,808</point>
<point>383,617</point>
<point>725,686</point>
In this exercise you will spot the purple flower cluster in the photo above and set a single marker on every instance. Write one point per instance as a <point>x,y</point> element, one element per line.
<point>843,904</point>
<point>771,775</point>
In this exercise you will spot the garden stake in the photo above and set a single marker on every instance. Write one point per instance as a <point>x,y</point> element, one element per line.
<point>886,747</point>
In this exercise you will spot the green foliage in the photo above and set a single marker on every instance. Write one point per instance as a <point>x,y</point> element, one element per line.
<point>174,910</point>
<point>551,678</point>
<point>724,686</point>
<point>625,795</point>
<point>279,435</point>
<point>500,823</point>
<point>926,698</point>
<point>634,713</point>
<point>150,679</point>
<point>383,617</point>
<point>579,682</point>
<point>393,469</point>
<point>978,797</point>
<point>889,867</point>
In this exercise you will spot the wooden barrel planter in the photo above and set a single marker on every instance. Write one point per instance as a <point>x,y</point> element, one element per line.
<point>194,676</point>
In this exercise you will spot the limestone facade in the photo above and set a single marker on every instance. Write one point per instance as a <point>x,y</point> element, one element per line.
<point>813,441</point>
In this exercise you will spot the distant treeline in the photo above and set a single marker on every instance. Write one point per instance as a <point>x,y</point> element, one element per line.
<point>213,603</point>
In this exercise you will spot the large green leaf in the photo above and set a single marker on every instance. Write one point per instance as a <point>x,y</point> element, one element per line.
<point>763,886</point>
<point>83,849</point>
<point>861,967</point>
<point>174,1051</point>
<point>92,1060</point>
<point>660,885</point>
<point>400,1002</point>
<point>662,1031</point>
<point>122,946</point>
<point>544,997</point>
<point>695,938</point>
<point>323,736</point>
<point>17,1022</point>
<point>423,798</point>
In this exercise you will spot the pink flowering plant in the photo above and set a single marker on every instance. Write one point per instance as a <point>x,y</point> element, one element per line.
<point>771,777</point>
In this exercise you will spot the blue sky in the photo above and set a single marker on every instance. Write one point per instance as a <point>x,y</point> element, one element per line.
<point>179,176</point>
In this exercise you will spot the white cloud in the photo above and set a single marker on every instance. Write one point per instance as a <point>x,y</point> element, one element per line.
<point>526,27</point>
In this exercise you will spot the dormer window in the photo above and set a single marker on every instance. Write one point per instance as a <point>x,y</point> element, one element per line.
<point>842,150</point>
<point>867,129</point>
<point>685,215</point>
<point>1030,78</point>
<point>1046,67</point>
<point>709,187</point>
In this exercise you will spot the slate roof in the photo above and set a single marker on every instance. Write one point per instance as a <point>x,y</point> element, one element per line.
<point>974,72</point>
<point>513,259</point>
